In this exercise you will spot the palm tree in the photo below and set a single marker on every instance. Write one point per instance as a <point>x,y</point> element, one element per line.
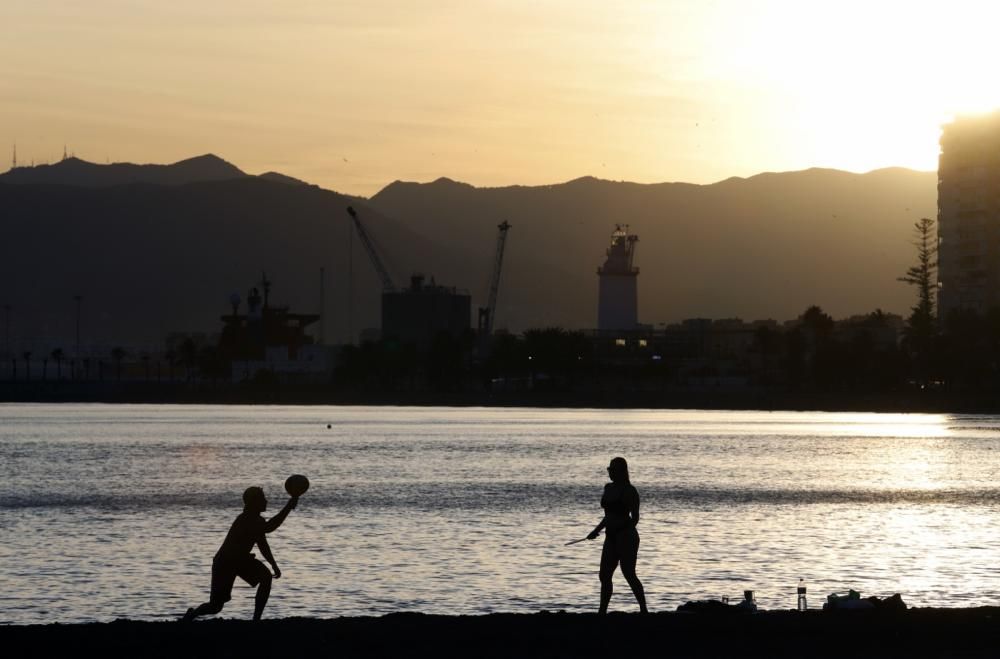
<point>767,341</point>
<point>59,355</point>
<point>118,354</point>
<point>27,364</point>
<point>189,355</point>
<point>171,360</point>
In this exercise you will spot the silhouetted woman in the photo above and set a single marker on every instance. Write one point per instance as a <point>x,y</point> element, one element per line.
<point>621,539</point>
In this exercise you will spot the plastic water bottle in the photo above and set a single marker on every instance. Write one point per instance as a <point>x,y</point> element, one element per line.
<point>802,595</point>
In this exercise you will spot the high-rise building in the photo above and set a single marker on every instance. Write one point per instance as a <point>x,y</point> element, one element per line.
<point>617,295</point>
<point>969,214</point>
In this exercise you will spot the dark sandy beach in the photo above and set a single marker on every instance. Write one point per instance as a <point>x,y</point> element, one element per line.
<point>914,633</point>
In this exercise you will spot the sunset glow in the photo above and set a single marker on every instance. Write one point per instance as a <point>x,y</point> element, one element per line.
<point>352,95</point>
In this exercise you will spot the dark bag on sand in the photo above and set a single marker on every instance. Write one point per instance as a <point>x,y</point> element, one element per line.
<point>854,602</point>
<point>711,607</point>
<point>894,603</point>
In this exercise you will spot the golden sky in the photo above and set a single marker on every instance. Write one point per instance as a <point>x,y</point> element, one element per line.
<point>355,94</point>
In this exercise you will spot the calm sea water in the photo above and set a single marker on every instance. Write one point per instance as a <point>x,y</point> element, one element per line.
<point>116,511</point>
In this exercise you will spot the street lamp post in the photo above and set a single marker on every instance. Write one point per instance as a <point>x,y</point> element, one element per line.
<point>79,300</point>
<point>6,329</point>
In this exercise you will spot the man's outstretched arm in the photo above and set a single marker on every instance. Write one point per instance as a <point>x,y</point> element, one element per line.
<point>275,522</point>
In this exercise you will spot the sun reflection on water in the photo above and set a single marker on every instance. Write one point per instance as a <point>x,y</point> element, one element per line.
<point>889,425</point>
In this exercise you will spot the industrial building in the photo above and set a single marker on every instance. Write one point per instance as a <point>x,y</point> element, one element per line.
<point>617,294</point>
<point>419,313</point>
<point>969,214</point>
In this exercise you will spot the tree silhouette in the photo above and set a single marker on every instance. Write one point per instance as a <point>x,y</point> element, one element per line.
<point>766,342</point>
<point>189,355</point>
<point>171,356</point>
<point>212,364</point>
<point>817,321</point>
<point>118,354</point>
<point>921,327</point>
<point>923,275</point>
<point>26,355</point>
<point>58,355</point>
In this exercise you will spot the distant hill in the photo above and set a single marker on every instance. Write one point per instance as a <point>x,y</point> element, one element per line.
<point>282,178</point>
<point>150,257</point>
<point>765,246</point>
<point>73,171</point>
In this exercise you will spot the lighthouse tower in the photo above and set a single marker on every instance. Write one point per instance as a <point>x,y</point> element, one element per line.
<point>617,295</point>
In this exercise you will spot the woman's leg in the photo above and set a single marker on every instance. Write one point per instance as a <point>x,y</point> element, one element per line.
<point>609,561</point>
<point>629,554</point>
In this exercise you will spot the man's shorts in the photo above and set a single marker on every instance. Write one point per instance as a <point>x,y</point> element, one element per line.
<point>225,571</point>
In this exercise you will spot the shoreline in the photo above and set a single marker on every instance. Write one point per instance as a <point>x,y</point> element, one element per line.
<point>930,402</point>
<point>919,632</point>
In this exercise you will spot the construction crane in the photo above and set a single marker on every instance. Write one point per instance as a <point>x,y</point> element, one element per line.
<point>387,285</point>
<point>487,313</point>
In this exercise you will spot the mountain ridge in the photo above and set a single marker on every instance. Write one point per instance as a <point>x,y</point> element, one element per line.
<point>154,258</point>
<point>588,178</point>
<point>766,246</point>
<point>210,166</point>
<point>77,172</point>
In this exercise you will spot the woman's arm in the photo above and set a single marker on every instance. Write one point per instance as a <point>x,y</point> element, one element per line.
<point>633,505</point>
<point>597,529</point>
<point>604,520</point>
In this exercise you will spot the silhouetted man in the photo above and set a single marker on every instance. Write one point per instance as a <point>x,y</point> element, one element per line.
<point>235,560</point>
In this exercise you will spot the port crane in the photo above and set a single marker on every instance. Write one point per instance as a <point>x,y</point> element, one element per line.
<point>387,284</point>
<point>487,313</point>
